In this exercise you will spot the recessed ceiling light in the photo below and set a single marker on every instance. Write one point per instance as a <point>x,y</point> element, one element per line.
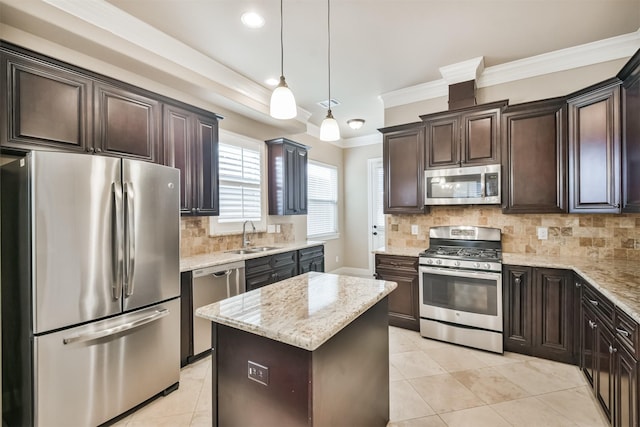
<point>252,20</point>
<point>272,81</point>
<point>355,123</point>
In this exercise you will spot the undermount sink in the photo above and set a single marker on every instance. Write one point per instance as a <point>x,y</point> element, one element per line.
<point>252,250</point>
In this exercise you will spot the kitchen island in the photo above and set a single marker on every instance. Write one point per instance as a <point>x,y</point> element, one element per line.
<point>310,350</point>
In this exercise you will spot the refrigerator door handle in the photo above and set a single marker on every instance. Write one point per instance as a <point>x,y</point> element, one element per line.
<point>130,242</point>
<point>158,314</point>
<point>117,247</point>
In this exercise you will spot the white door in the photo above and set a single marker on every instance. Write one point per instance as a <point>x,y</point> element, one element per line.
<point>376,215</point>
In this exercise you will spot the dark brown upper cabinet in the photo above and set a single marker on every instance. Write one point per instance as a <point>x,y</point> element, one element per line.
<point>403,167</point>
<point>287,168</point>
<point>127,123</point>
<point>534,156</point>
<point>466,137</point>
<point>45,106</point>
<point>630,76</point>
<point>191,145</point>
<point>594,149</point>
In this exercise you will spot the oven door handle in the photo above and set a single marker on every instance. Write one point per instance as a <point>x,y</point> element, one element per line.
<point>461,273</point>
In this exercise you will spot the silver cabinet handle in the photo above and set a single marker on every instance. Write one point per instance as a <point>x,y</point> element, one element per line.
<point>593,302</point>
<point>622,332</point>
<point>117,249</point>
<point>158,314</point>
<point>130,241</point>
<point>592,324</point>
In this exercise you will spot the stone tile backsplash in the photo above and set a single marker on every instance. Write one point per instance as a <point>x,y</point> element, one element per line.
<point>601,236</point>
<point>195,238</point>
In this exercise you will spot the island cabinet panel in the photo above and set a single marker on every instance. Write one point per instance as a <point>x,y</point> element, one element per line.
<point>403,168</point>
<point>464,137</point>
<point>186,317</point>
<point>534,146</point>
<point>323,387</point>
<point>404,300</point>
<point>287,170</point>
<point>594,150</point>
<point>126,123</point>
<point>44,106</point>
<point>191,145</point>
<point>538,312</point>
<point>630,76</point>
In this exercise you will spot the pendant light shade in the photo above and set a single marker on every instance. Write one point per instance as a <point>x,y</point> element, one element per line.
<point>329,129</point>
<point>283,103</point>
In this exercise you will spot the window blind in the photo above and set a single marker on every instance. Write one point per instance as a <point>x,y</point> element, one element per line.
<point>322,193</point>
<point>240,187</point>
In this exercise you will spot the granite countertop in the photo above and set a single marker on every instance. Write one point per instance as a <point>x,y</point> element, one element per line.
<point>217,258</point>
<point>304,311</point>
<point>618,280</point>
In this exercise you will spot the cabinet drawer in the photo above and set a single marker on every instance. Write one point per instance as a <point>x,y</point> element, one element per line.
<point>626,330</point>
<point>600,304</point>
<point>309,253</point>
<point>257,266</point>
<point>284,259</point>
<point>396,262</point>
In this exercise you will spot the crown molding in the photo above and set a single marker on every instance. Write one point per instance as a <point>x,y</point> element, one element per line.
<point>462,71</point>
<point>239,89</point>
<point>605,50</point>
<point>361,141</point>
<point>429,90</point>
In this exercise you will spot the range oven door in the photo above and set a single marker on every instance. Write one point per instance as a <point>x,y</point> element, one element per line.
<point>469,298</point>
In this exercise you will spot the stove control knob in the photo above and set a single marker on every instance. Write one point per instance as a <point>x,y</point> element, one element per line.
<point>429,261</point>
<point>457,263</point>
<point>476,264</point>
<point>487,266</point>
<point>439,262</point>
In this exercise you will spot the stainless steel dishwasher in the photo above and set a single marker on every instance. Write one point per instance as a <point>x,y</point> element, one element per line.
<point>213,284</point>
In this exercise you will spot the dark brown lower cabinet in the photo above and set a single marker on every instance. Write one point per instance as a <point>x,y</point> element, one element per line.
<point>311,259</point>
<point>265,270</point>
<point>538,312</point>
<point>609,357</point>
<point>403,301</point>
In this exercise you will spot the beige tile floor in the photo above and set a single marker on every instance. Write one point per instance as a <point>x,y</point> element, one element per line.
<point>432,384</point>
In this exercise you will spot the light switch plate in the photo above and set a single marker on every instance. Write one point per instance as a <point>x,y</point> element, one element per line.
<point>543,233</point>
<point>414,229</point>
<point>271,228</point>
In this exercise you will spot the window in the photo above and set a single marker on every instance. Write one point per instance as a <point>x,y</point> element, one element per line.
<point>322,213</point>
<point>240,184</point>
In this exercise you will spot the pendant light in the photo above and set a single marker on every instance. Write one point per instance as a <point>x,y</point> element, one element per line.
<point>283,104</point>
<point>329,130</point>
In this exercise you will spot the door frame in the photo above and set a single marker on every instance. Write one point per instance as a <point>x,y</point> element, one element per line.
<point>370,211</point>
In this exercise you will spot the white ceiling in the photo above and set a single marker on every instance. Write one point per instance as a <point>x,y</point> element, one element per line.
<point>378,46</point>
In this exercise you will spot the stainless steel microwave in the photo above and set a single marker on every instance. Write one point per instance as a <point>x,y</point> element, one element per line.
<point>474,185</point>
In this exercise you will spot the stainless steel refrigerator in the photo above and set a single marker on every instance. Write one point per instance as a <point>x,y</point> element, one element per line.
<point>90,287</point>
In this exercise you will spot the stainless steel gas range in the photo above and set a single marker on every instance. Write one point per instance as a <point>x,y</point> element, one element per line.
<point>460,278</point>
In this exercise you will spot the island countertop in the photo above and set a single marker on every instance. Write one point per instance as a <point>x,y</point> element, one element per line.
<point>304,311</point>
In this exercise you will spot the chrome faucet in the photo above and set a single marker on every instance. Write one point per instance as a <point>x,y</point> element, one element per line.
<point>245,241</point>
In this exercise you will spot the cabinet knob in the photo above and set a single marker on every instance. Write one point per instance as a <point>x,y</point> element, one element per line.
<point>375,233</point>
<point>98,150</point>
<point>578,284</point>
<point>517,281</point>
<point>89,149</point>
<point>595,303</point>
<point>592,324</point>
<point>617,205</point>
<point>612,349</point>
